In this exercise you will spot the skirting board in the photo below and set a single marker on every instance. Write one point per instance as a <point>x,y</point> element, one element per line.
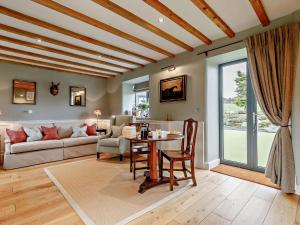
<point>211,164</point>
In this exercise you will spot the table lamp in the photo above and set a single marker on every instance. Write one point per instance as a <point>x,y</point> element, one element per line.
<point>97,112</point>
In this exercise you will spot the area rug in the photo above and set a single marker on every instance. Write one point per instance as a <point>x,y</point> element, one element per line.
<point>104,192</point>
<point>244,174</point>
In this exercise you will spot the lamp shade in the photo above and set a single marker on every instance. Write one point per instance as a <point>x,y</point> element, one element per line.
<point>97,112</point>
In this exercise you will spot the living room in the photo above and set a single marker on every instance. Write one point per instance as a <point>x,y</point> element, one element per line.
<point>149,112</point>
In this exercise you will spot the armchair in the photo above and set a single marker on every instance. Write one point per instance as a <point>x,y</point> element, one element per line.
<point>118,145</point>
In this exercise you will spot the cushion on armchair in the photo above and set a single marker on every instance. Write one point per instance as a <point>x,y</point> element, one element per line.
<point>109,142</point>
<point>117,131</point>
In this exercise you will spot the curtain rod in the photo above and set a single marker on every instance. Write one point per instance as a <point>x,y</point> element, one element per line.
<point>206,52</point>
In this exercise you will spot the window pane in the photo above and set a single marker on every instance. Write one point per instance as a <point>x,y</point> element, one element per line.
<point>235,112</point>
<point>142,103</point>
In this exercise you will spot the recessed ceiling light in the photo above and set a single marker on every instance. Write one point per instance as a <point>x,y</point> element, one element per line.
<point>39,40</point>
<point>161,19</point>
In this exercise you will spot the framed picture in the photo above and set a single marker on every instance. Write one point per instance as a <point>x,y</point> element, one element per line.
<point>173,89</point>
<point>24,92</point>
<point>77,96</point>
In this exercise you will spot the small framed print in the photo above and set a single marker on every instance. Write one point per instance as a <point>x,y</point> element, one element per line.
<point>24,92</point>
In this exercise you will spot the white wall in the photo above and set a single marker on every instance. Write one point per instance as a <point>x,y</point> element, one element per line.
<point>194,68</point>
<point>128,97</point>
<point>50,107</point>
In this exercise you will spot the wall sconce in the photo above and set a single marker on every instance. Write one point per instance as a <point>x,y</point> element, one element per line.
<point>170,68</point>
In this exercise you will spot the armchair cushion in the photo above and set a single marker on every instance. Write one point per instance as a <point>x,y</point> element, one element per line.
<point>109,142</point>
<point>117,130</point>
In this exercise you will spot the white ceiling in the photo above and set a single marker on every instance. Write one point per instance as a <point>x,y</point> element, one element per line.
<point>238,14</point>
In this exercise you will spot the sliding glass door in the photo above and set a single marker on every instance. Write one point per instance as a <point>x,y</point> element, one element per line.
<point>246,134</point>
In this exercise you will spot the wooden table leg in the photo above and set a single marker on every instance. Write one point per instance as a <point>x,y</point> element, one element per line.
<point>152,178</point>
<point>153,161</point>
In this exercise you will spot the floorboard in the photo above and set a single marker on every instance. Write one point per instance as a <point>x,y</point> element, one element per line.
<point>27,196</point>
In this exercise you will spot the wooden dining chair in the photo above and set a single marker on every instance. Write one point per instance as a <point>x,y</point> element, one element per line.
<point>138,149</point>
<point>187,153</point>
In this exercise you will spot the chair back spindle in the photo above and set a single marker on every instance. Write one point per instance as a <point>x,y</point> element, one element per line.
<point>190,127</point>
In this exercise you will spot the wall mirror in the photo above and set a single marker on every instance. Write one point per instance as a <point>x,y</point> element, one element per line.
<point>77,96</point>
<point>24,92</point>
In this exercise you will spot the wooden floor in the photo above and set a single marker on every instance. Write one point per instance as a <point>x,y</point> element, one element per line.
<point>27,196</point>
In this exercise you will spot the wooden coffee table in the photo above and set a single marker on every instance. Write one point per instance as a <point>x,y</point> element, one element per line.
<point>152,178</point>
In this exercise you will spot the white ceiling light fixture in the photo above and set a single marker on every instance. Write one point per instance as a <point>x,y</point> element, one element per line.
<point>161,19</point>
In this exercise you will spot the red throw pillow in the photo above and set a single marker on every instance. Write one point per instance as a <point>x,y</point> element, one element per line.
<point>50,133</point>
<point>91,130</point>
<point>16,136</point>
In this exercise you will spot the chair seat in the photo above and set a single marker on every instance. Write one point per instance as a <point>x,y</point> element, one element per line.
<point>175,155</point>
<point>109,142</point>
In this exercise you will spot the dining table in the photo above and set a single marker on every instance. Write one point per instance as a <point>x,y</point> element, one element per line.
<point>152,178</point>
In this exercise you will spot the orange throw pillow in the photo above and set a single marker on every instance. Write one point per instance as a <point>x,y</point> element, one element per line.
<point>91,130</point>
<point>50,133</point>
<point>16,136</point>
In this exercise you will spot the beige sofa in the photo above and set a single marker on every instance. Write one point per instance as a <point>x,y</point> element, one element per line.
<point>32,153</point>
<point>37,152</point>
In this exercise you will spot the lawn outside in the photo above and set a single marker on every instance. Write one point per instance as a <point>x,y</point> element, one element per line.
<point>235,145</point>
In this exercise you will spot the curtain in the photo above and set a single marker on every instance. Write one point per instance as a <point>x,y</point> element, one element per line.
<point>272,60</point>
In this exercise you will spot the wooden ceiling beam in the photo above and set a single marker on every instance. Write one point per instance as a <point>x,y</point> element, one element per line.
<point>214,17</point>
<point>57,51</point>
<point>178,20</point>
<point>64,44</point>
<point>260,12</point>
<point>48,68</point>
<point>54,65</point>
<point>103,26</point>
<point>52,27</point>
<point>18,51</point>
<point>143,23</point>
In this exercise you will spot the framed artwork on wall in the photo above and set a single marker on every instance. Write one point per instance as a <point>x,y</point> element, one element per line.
<point>173,89</point>
<point>77,96</point>
<point>24,92</point>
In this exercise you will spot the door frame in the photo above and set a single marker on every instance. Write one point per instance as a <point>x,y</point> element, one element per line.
<point>251,163</point>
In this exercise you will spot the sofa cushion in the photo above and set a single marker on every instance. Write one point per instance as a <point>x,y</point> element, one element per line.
<point>33,134</point>
<point>16,136</point>
<point>91,129</point>
<point>50,133</point>
<point>64,132</point>
<point>69,142</point>
<point>109,142</point>
<point>35,146</point>
<point>79,132</point>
